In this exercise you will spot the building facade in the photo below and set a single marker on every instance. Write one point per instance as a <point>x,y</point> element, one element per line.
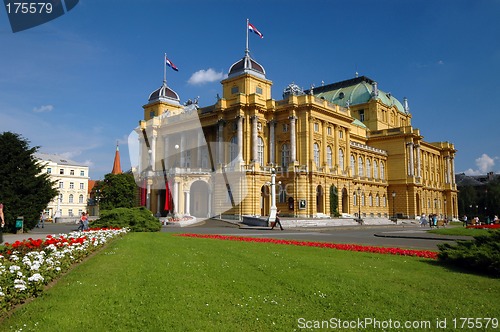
<point>344,148</point>
<point>71,179</point>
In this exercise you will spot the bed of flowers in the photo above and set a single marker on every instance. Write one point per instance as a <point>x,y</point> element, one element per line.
<point>348,247</point>
<point>491,226</point>
<point>27,266</point>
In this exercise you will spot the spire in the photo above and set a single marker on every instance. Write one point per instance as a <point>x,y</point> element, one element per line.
<point>117,169</point>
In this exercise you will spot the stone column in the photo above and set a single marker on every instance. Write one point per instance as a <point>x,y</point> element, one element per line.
<point>240,139</point>
<point>419,161</point>
<point>452,170</point>
<point>183,153</point>
<point>448,166</point>
<point>293,141</point>
<point>199,147</point>
<point>220,140</point>
<point>176,197</point>
<point>187,202</point>
<point>411,163</point>
<point>254,138</point>
<point>272,143</point>
<point>153,151</point>
<point>347,157</point>
<point>165,152</point>
<point>323,147</point>
<point>335,154</point>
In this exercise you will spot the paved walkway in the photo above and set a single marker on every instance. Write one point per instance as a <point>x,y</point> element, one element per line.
<point>40,233</point>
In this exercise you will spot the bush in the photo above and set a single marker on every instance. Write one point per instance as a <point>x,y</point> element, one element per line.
<point>136,219</point>
<point>481,254</point>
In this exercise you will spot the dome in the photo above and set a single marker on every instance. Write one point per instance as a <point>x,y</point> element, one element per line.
<point>247,65</point>
<point>164,93</point>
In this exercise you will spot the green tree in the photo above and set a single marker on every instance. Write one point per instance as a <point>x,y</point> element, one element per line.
<point>117,191</point>
<point>24,189</point>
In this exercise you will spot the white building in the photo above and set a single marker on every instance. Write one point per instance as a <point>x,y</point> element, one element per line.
<point>71,179</point>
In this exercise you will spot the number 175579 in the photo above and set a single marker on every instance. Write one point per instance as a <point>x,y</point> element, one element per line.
<point>29,7</point>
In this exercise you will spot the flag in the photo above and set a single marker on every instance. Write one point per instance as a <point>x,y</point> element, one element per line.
<point>171,64</point>
<point>252,28</point>
<point>168,198</point>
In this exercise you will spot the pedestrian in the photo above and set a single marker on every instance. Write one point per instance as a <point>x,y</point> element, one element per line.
<point>81,222</point>
<point>41,222</point>
<point>2,222</point>
<point>495,220</point>
<point>465,220</point>
<point>423,221</point>
<point>277,220</point>
<point>86,222</point>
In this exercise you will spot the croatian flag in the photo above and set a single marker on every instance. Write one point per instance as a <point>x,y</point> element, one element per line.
<point>171,64</point>
<point>252,28</point>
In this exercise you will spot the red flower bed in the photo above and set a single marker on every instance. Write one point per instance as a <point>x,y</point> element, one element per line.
<point>349,247</point>
<point>494,226</point>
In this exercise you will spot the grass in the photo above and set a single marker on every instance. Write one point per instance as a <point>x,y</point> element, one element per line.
<point>459,231</point>
<point>159,282</point>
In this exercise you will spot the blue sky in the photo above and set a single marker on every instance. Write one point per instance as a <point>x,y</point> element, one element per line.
<point>76,85</point>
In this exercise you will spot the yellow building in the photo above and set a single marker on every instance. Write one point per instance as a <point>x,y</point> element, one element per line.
<point>342,148</point>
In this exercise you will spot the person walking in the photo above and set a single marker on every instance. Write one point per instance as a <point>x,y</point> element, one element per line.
<point>277,220</point>
<point>2,222</point>
<point>41,222</point>
<point>82,221</point>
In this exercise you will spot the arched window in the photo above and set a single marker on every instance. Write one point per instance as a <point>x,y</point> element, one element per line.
<point>260,151</point>
<point>80,199</point>
<point>368,168</point>
<point>70,199</point>
<point>316,154</point>
<point>329,156</point>
<point>385,200</point>
<point>382,171</point>
<point>353,169</point>
<point>341,160</point>
<point>354,199</point>
<point>363,201</point>
<point>370,200</point>
<point>360,166</point>
<point>285,155</point>
<point>377,200</point>
<point>375,169</point>
<point>281,194</point>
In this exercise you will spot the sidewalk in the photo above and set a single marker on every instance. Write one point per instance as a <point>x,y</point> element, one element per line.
<point>40,233</point>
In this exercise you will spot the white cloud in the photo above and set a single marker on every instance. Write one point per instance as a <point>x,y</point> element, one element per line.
<point>43,108</point>
<point>205,76</point>
<point>484,164</point>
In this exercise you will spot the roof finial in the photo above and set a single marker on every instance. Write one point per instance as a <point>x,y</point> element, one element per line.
<point>406,107</point>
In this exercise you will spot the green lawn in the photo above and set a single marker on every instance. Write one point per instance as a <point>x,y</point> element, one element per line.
<point>460,231</point>
<point>159,282</point>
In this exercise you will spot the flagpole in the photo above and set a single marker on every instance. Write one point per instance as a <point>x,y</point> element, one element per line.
<point>165,69</point>
<point>246,49</point>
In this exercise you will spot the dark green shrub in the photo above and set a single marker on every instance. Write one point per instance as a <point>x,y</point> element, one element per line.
<point>138,219</point>
<point>481,254</point>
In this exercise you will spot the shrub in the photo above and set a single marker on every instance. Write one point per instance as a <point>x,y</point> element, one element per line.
<point>481,254</point>
<point>136,219</point>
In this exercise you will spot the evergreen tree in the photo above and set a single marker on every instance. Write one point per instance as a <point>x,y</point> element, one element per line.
<point>24,189</point>
<point>116,191</point>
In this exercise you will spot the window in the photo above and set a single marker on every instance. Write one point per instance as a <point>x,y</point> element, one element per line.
<point>385,201</point>
<point>375,169</point>
<point>341,134</point>
<point>233,150</point>
<point>82,185</point>
<point>187,159</point>
<point>72,172</point>
<point>382,171</point>
<point>259,126</point>
<point>282,194</point>
<point>70,212</point>
<point>258,90</point>
<point>329,131</point>
<point>235,90</point>
<point>352,165</point>
<point>260,151</point>
<point>71,185</point>
<point>370,200</point>
<point>363,203</point>
<point>61,185</point>
<point>284,127</point>
<point>361,115</point>
<point>82,173</point>
<point>60,198</point>
<point>360,166</point>
<point>316,127</point>
<point>377,200</point>
<point>80,199</point>
<point>316,154</point>
<point>368,168</point>
<point>329,156</point>
<point>49,170</point>
<point>61,171</point>
<point>70,199</point>
<point>341,159</point>
<point>204,157</point>
<point>354,199</point>
<point>285,155</point>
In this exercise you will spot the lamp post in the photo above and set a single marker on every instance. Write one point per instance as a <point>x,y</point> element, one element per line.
<point>360,220</point>
<point>394,207</point>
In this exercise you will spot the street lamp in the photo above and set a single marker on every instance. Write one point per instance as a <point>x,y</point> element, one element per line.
<point>359,206</point>
<point>394,207</point>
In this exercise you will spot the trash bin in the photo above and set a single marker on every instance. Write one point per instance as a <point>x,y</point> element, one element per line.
<point>19,224</point>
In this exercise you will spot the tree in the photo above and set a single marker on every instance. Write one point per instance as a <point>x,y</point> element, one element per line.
<point>117,190</point>
<point>24,189</point>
